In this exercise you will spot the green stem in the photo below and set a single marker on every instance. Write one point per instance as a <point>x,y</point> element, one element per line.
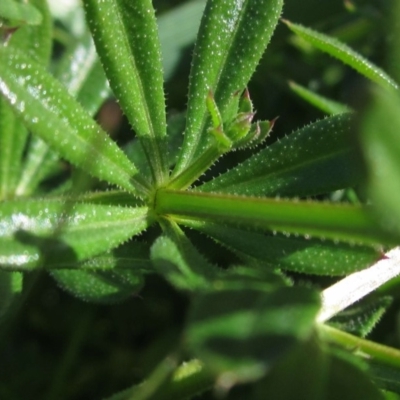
<point>338,222</point>
<point>386,355</point>
<point>196,169</point>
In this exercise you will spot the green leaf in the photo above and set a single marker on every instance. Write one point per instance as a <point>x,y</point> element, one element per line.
<point>361,319</point>
<point>328,106</point>
<point>81,73</point>
<point>331,221</point>
<point>19,13</point>
<point>179,262</point>
<point>344,53</point>
<point>310,256</point>
<point>126,38</point>
<point>102,287</point>
<point>10,286</point>
<point>242,333</point>
<point>36,41</point>
<point>178,28</point>
<point>380,141</point>
<point>316,159</point>
<point>228,48</point>
<point>53,115</point>
<point>348,380</point>
<point>384,376</point>
<point>78,231</point>
<point>306,368</point>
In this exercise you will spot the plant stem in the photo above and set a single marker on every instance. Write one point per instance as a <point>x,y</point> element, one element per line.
<point>338,222</point>
<point>385,354</point>
<point>196,169</point>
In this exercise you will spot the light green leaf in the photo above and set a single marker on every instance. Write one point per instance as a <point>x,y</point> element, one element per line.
<point>79,231</point>
<point>16,13</point>
<point>228,48</point>
<point>36,41</point>
<point>331,221</point>
<point>326,105</point>
<point>316,159</point>
<point>178,28</point>
<point>53,115</point>
<point>380,141</point>
<point>344,53</point>
<point>81,73</point>
<point>310,256</point>
<point>125,33</point>
<point>244,332</point>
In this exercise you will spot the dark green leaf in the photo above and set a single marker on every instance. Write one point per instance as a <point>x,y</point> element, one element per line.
<point>244,332</point>
<point>315,159</point>
<point>310,256</point>
<point>53,115</point>
<point>361,319</point>
<point>10,285</point>
<point>126,38</point>
<point>228,48</point>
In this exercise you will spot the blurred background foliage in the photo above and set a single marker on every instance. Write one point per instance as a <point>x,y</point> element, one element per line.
<point>53,346</point>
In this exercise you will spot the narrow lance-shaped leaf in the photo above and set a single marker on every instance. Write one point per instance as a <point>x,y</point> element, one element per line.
<point>344,53</point>
<point>49,111</point>
<point>125,33</point>
<point>36,41</point>
<point>316,159</point>
<point>79,231</point>
<point>310,256</point>
<point>331,221</point>
<point>326,105</point>
<point>81,73</point>
<point>229,46</point>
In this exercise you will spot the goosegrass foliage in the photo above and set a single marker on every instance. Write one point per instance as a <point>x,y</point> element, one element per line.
<point>248,323</point>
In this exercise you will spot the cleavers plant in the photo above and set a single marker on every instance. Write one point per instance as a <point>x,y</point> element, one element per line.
<point>249,325</point>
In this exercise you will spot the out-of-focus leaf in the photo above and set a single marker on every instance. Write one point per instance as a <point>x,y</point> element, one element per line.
<point>344,53</point>
<point>326,105</point>
<point>10,285</point>
<point>306,368</point>
<point>380,141</point>
<point>178,28</point>
<point>100,286</point>
<point>348,380</point>
<point>48,111</point>
<point>316,159</point>
<point>78,231</point>
<point>126,37</point>
<point>228,48</point>
<point>244,332</point>
<point>310,256</point>
<point>385,376</point>
<point>16,13</point>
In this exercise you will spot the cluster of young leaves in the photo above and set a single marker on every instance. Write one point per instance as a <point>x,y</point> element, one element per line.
<point>249,319</point>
